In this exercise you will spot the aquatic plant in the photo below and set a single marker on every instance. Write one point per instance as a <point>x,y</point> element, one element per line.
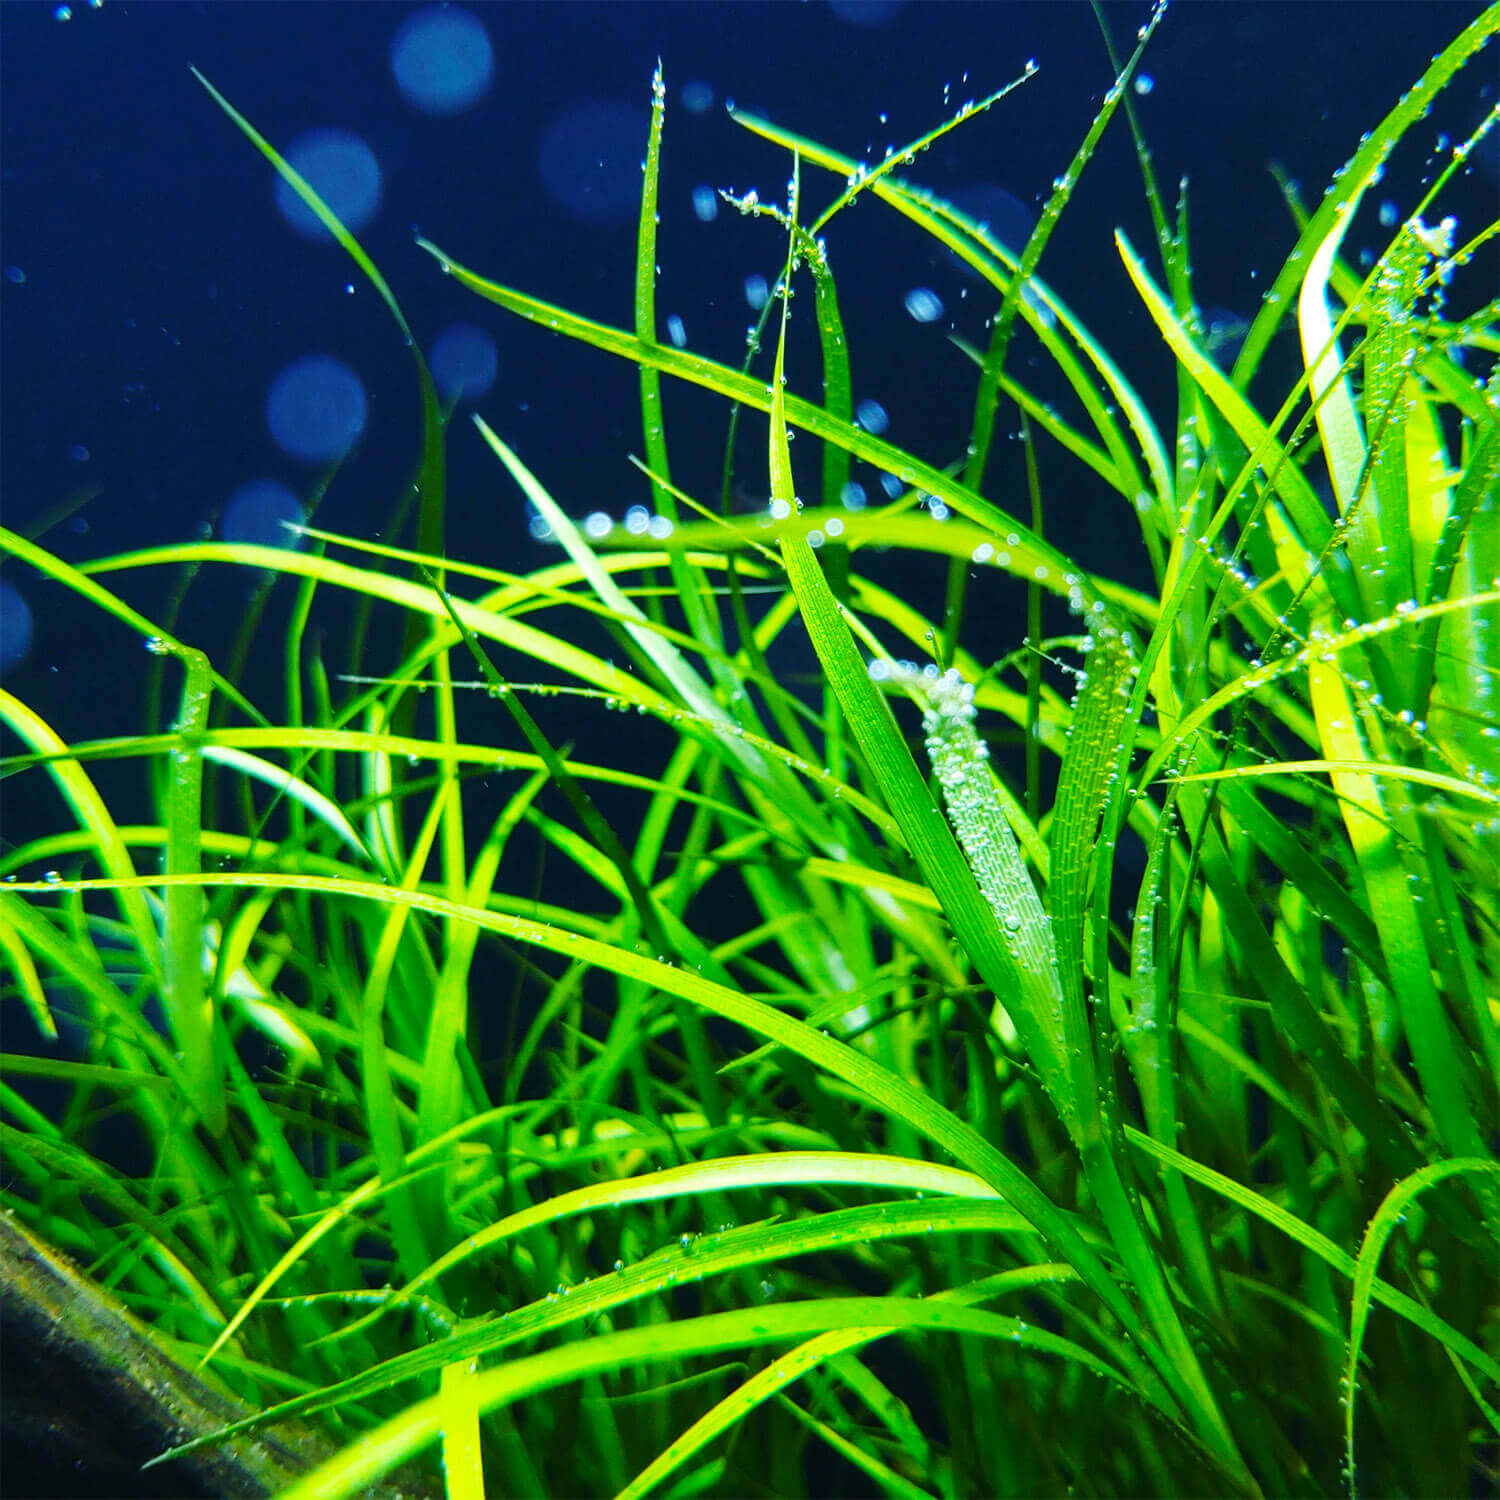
<point>862,1121</point>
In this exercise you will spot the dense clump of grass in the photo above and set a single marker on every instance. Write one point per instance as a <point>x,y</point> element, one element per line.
<point>965,1162</point>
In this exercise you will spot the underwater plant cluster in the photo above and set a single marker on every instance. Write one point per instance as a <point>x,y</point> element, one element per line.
<point>726,808</point>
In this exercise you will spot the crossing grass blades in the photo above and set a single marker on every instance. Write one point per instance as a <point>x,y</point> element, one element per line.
<point>966,1162</point>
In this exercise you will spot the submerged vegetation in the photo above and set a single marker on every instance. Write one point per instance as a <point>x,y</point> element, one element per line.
<point>874,1118</point>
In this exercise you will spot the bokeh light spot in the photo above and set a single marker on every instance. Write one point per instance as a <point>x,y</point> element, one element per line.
<point>442,60</point>
<point>869,13</point>
<point>464,362</point>
<point>1000,214</point>
<point>16,627</point>
<point>342,170</point>
<point>255,512</point>
<point>316,409</point>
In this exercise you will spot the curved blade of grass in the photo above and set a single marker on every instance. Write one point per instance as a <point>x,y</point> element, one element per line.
<point>1374,148</point>
<point>229,746</point>
<point>1328,386</point>
<point>430,484</point>
<point>28,981</point>
<point>754,1246</point>
<point>410,597</point>
<point>79,584</point>
<point>1326,646</point>
<point>1455,786</point>
<point>80,968</point>
<point>1324,1248</point>
<point>720,1174</point>
<point>323,808</point>
<point>791,1367</point>
<point>376,1453</point>
<point>95,819</point>
<point>890,1091</point>
<point>611,681</point>
<point>1029,551</point>
<point>430,522</point>
<point>879,1473</point>
<point>973,245</point>
<point>1031,996</point>
<point>1392,1211</point>
<point>1373,840</point>
<point>1291,486</point>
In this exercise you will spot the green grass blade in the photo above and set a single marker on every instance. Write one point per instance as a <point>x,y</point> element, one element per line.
<point>1392,1211</point>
